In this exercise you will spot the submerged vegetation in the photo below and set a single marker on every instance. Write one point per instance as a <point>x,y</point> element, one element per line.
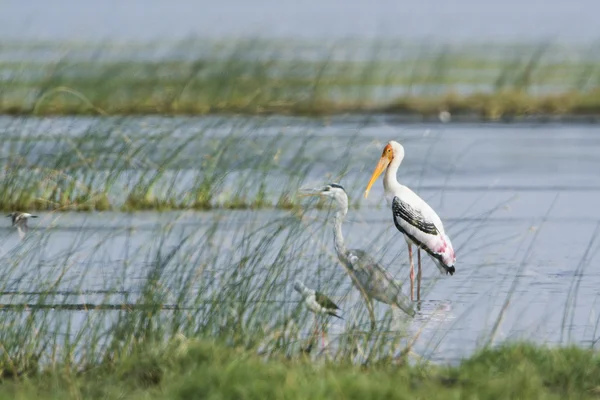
<point>255,77</point>
<point>64,164</point>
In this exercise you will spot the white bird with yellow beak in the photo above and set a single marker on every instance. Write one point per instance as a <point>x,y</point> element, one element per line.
<point>413,217</point>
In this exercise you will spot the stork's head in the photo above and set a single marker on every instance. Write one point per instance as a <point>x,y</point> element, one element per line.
<point>331,190</point>
<point>393,152</point>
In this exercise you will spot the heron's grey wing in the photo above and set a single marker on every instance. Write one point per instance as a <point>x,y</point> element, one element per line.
<point>359,258</point>
<point>325,301</point>
<point>363,261</point>
<point>354,257</point>
<point>360,266</point>
<point>381,281</point>
<point>403,302</point>
<point>371,276</point>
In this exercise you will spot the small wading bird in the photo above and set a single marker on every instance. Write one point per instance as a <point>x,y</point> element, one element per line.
<point>413,217</point>
<point>369,277</point>
<point>318,303</point>
<point>19,219</point>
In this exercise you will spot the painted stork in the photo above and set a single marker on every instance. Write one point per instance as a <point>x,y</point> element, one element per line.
<point>412,216</point>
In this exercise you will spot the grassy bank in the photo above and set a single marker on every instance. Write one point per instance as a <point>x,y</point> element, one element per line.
<point>190,369</point>
<point>256,78</point>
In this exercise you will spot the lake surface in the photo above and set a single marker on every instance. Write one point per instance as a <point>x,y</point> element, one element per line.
<point>464,20</point>
<point>520,203</point>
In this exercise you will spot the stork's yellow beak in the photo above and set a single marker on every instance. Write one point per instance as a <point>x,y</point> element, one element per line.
<point>381,166</point>
<point>386,157</point>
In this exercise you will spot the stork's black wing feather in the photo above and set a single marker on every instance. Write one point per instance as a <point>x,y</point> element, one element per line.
<point>405,212</point>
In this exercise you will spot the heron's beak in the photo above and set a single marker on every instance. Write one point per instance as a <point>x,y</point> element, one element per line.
<point>309,192</point>
<point>381,166</point>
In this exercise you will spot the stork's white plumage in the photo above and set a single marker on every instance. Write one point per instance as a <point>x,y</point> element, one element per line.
<point>413,217</point>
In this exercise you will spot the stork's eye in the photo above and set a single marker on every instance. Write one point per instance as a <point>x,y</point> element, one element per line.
<point>326,189</point>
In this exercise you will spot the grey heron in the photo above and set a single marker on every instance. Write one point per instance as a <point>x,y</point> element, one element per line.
<point>371,279</point>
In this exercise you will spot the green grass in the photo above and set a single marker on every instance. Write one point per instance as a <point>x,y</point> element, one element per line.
<point>252,78</point>
<point>189,369</point>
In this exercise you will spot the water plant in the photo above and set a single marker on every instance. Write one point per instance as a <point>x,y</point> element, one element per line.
<point>260,77</point>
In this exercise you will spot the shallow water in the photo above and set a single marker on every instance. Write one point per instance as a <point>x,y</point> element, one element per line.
<point>518,201</point>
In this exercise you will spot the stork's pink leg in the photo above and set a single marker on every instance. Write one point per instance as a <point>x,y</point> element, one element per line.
<point>412,273</point>
<point>419,274</point>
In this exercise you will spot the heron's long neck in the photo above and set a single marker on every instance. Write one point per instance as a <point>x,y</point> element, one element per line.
<point>338,236</point>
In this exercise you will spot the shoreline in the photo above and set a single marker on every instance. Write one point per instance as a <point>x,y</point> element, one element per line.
<point>391,117</point>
